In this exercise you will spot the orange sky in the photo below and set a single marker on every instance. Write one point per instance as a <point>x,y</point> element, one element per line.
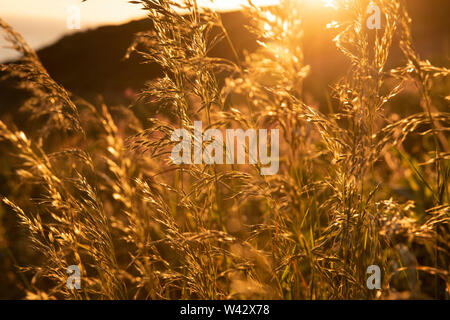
<point>95,11</point>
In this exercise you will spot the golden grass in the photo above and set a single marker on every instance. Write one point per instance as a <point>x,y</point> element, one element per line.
<point>110,201</point>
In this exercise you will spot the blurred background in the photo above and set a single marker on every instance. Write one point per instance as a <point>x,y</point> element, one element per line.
<point>72,56</point>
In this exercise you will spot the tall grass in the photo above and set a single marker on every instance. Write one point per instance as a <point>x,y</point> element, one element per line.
<point>110,200</point>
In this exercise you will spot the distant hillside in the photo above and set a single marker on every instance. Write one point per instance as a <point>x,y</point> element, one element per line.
<point>91,62</point>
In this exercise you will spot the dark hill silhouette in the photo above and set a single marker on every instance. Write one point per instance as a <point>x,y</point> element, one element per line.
<point>91,63</point>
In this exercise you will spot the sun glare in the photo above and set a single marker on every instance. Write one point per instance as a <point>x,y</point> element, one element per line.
<point>330,4</point>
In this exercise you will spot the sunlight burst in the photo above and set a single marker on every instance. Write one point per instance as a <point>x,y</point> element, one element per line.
<point>330,4</point>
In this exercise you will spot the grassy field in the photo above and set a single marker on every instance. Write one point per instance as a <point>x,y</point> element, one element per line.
<point>363,180</point>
